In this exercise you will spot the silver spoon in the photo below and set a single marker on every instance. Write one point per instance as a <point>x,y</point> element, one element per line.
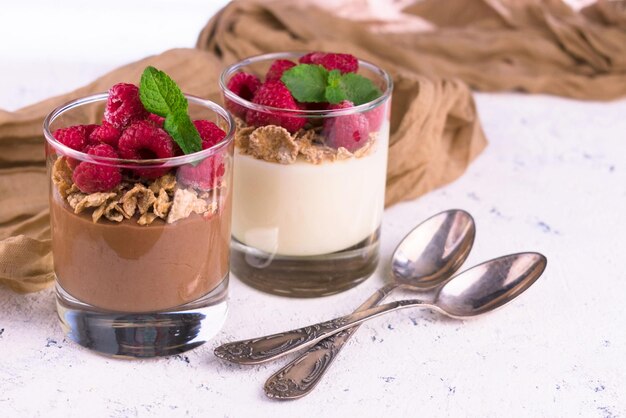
<point>426,257</point>
<point>473,292</point>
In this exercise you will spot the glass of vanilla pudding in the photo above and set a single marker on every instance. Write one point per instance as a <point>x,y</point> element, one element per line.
<point>311,141</point>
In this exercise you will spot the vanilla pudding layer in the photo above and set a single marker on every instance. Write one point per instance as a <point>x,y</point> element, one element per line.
<point>304,209</point>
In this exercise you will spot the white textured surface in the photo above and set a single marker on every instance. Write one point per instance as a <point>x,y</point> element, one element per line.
<point>553,179</point>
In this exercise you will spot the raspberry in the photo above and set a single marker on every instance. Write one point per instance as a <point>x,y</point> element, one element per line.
<point>345,63</point>
<point>245,86</point>
<point>316,105</point>
<point>74,137</point>
<point>156,119</point>
<point>313,121</point>
<point>124,106</point>
<point>275,94</point>
<point>376,116</point>
<point>210,133</point>
<point>91,178</point>
<point>89,130</point>
<point>142,140</point>
<point>106,134</point>
<point>102,150</point>
<point>350,131</point>
<point>310,58</point>
<point>178,151</point>
<point>278,68</point>
<point>205,175</point>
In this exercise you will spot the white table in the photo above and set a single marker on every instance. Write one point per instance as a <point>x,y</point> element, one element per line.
<point>553,179</point>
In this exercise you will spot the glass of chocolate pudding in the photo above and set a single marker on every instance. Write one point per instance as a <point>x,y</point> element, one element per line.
<point>312,133</point>
<point>140,244</point>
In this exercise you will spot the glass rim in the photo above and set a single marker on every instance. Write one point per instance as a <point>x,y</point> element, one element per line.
<point>132,163</point>
<point>230,95</point>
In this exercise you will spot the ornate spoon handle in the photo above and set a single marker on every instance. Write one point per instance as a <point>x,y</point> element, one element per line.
<point>259,350</point>
<point>299,377</point>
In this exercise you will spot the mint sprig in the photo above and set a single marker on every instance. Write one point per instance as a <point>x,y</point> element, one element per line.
<point>314,83</point>
<point>160,95</point>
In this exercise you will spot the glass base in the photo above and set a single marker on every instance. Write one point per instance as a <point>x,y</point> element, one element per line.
<point>146,334</point>
<point>305,277</point>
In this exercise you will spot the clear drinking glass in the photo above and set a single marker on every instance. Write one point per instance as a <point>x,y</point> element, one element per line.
<point>308,226</point>
<point>141,271</point>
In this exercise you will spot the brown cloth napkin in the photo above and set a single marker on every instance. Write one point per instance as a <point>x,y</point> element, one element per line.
<point>536,46</point>
<point>529,45</point>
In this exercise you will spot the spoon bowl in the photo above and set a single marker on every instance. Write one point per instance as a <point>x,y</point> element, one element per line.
<point>434,250</point>
<point>489,285</point>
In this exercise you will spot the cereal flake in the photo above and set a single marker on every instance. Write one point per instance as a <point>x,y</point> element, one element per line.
<point>242,138</point>
<point>185,202</point>
<point>114,212</point>
<point>166,182</point>
<point>62,176</point>
<point>90,200</point>
<point>138,198</point>
<point>343,154</point>
<point>367,148</point>
<point>146,219</point>
<point>97,214</point>
<point>273,143</point>
<point>162,204</point>
<point>75,198</point>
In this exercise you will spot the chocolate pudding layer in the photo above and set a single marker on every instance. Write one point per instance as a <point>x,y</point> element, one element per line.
<point>128,267</point>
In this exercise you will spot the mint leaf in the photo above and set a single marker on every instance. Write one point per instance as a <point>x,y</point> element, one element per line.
<point>334,92</point>
<point>184,132</point>
<point>306,82</point>
<point>358,89</point>
<point>160,95</point>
